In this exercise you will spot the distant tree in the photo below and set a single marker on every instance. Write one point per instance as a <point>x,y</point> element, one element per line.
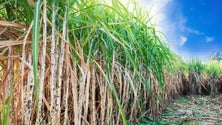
<point>217,56</point>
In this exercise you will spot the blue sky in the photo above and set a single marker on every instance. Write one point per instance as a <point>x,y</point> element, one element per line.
<point>193,27</point>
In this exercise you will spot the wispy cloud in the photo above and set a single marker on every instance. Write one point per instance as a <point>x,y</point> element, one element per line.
<point>184,28</point>
<point>193,31</point>
<point>175,27</point>
<point>183,40</point>
<point>209,39</point>
<point>169,18</point>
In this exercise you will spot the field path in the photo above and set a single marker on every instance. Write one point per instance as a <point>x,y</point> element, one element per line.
<point>194,110</point>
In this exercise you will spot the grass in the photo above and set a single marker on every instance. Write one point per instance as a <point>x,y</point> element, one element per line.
<point>196,66</point>
<point>213,69</point>
<point>86,62</point>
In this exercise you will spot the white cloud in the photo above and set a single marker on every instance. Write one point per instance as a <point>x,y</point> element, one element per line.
<point>194,31</point>
<point>176,28</point>
<point>209,39</point>
<point>183,40</point>
<point>184,28</point>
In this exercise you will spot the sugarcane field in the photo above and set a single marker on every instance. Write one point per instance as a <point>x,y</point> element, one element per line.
<point>110,62</point>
